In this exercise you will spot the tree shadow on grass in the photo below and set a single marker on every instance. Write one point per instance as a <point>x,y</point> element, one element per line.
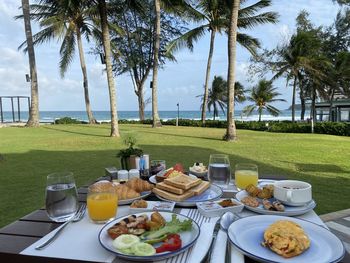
<point>182,135</point>
<point>318,167</point>
<point>75,132</point>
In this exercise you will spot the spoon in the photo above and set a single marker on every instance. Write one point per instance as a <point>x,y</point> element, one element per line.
<point>226,220</point>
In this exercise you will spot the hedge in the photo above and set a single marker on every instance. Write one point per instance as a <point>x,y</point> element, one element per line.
<point>333,128</point>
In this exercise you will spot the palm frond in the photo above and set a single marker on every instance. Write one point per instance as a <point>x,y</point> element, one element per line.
<point>248,42</point>
<point>248,110</point>
<point>67,51</point>
<point>187,39</point>
<point>252,21</point>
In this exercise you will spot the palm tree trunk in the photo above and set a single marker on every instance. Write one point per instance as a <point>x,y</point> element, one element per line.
<point>33,120</point>
<point>155,115</point>
<point>207,77</point>
<point>260,112</point>
<point>302,101</point>
<point>141,102</point>
<point>293,99</point>
<point>231,133</point>
<point>110,79</point>
<point>91,118</point>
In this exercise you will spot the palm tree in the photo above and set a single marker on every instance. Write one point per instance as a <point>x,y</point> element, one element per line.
<point>217,97</point>
<point>262,95</point>
<point>33,120</point>
<point>107,51</point>
<point>231,133</point>
<point>66,20</point>
<point>155,115</point>
<point>215,13</point>
<point>296,58</point>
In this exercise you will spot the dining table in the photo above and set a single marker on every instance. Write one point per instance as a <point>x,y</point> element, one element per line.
<point>18,239</point>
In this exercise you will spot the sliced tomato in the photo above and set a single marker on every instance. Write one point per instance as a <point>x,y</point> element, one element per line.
<point>179,167</point>
<point>172,243</point>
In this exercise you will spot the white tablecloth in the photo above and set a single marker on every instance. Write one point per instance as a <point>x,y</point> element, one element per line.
<point>80,241</point>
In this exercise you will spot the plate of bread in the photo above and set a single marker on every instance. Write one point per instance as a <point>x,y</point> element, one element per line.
<point>270,238</point>
<point>132,190</point>
<point>186,190</point>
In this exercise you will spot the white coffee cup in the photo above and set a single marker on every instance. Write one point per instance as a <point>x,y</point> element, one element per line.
<point>293,193</point>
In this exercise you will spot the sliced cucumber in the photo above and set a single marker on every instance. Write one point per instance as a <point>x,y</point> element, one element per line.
<point>143,249</point>
<point>125,241</point>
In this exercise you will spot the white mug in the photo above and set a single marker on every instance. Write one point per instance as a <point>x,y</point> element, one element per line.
<point>293,193</point>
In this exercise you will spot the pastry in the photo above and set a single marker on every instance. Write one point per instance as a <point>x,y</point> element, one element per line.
<point>286,238</point>
<point>265,193</point>
<point>125,192</point>
<point>278,206</point>
<point>267,205</point>
<point>250,201</point>
<point>139,204</point>
<point>252,190</point>
<point>139,185</point>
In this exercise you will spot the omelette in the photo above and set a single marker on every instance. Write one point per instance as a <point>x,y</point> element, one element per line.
<point>286,238</point>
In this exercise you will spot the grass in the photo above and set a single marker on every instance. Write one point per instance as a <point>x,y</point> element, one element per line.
<point>30,154</point>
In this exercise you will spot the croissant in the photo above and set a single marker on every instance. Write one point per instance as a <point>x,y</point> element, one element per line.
<point>139,185</point>
<point>125,192</point>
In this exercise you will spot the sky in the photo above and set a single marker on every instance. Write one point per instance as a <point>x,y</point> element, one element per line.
<point>178,82</point>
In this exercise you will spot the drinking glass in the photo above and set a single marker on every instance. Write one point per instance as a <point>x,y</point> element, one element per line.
<point>61,196</point>
<point>102,202</point>
<point>246,174</point>
<point>219,170</point>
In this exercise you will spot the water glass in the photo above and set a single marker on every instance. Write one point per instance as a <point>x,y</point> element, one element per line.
<point>102,202</point>
<point>219,170</point>
<point>61,196</point>
<point>246,174</point>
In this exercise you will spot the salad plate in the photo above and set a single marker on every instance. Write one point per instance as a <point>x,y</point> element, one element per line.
<point>289,210</point>
<point>129,201</point>
<point>188,238</point>
<point>214,192</point>
<point>246,235</point>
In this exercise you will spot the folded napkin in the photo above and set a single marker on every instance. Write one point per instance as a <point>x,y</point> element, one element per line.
<point>201,247</point>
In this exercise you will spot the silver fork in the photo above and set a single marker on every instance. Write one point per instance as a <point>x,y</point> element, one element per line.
<point>77,217</point>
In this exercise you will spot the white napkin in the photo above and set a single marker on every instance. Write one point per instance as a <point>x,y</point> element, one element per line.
<point>203,242</point>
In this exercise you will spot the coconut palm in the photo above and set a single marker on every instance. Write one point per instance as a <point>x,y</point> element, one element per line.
<point>107,51</point>
<point>262,95</point>
<point>231,133</point>
<point>69,21</point>
<point>215,15</point>
<point>33,120</point>
<point>217,96</point>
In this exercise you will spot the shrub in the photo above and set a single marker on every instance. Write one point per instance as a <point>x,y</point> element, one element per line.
<point>335,128</point>
<point>67,120</point>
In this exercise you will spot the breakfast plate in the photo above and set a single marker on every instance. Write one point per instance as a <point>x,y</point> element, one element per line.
<point>153,180</point>
<point>188,238</point>
<point>289,210</point>
<point>129,201</point>
<point>214,192</point>
<point>246,235</point>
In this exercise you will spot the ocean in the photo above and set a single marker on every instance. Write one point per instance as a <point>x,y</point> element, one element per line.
<point>104,116</point>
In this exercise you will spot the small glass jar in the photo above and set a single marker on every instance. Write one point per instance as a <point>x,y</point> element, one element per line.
<point>123,176</point>
<point>134,173</point>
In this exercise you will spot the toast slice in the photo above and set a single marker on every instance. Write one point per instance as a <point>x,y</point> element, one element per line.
<point>171,196</point>
<point>169,188</point>
<point>197,190</point>
<point>183,181</point>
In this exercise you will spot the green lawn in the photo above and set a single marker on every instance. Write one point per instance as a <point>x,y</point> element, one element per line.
<point>31,154</point>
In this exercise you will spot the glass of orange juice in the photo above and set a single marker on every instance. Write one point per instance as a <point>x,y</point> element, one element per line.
<point>246,174</point>
<point>102,202</point>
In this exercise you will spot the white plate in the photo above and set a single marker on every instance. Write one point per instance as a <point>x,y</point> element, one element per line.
<point>154,206</point>
<point>188,239</point>
<point>153,180</point>
<point>129,201</point>
<point>246,235</point>
<point>289,210</point>
<point>214,192</point>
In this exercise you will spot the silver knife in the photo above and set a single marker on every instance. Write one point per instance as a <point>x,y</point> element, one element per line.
<point>207,257</point>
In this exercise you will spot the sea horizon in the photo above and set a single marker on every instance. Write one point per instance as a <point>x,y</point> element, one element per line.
<point>104,116</point>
